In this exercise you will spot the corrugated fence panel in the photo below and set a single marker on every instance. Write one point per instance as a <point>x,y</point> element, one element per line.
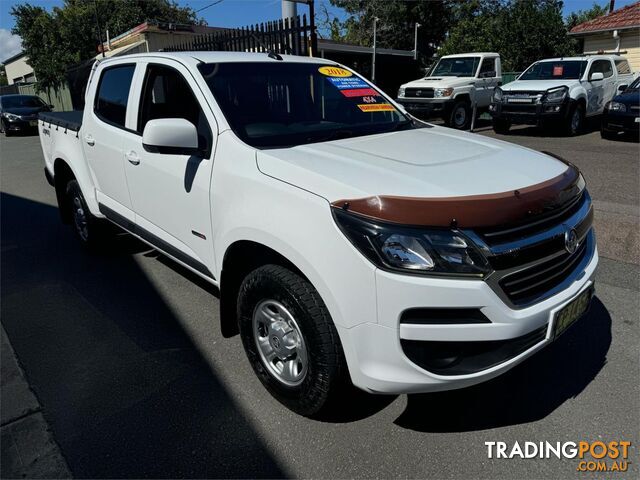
<point>60,99</point>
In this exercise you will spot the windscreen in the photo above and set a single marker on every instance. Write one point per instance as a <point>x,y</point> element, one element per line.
<point>286,104</point>
<point>456,67</point>
<point>22,101</point>
<point>635,85</point>
<point>557,70</point>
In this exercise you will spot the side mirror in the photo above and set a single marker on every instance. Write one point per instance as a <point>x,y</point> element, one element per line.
<point>596,77</point>
<point>622,88</point>
<point>51,107</point>
<point>175,136</point>
<point>490,74</point>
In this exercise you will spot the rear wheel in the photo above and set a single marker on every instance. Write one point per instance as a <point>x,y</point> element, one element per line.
<point>501,126</point>
<point>88,229</point>
<point>460,116</point>
<point>290,339</point>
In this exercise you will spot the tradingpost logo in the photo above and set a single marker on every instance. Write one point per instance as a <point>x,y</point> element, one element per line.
<point>595,456</point>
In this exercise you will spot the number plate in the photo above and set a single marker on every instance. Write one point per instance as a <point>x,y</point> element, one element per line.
<point>637,120</point>
<point>572,312</point>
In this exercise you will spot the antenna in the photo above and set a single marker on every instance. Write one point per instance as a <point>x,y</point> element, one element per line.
<point>270,52</point>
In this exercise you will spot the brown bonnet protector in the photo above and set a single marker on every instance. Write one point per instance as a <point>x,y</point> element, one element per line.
<point>471,211</point>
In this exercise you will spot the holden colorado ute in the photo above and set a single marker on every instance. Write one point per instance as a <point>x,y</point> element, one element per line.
<point>560,91</point>
<point>452,87</point>
<point>352,244</point>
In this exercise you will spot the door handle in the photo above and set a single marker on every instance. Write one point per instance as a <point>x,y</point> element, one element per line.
<point>133,157</point>
<point>90,140</point>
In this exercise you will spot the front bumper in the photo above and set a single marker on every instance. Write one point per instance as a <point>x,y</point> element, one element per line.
<point>21,124</point>
<point>529,114</point>
<point>618,122</point>
<point>382,364</point>
<point>426,106</point>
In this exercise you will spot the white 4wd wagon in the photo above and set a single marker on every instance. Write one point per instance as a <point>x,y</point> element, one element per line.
<point>349,241</point>
<point>562,91</point>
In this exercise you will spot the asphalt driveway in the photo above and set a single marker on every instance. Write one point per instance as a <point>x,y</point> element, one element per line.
<point>125,355</point>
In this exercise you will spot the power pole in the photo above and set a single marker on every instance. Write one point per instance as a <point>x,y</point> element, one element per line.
<point>415,42</point>
<point>373,61</point>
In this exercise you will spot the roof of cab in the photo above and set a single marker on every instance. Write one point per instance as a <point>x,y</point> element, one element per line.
<point>218,57</point>
<point>473,54</point>
<point>582,58</point>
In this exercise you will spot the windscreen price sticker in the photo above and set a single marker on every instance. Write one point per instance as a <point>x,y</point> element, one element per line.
<point>376,107</point>
<point>335,72</point>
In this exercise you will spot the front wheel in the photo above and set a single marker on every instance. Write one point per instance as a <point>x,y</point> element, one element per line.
<point>290,339</point>
<point>575,120</point>
<point>501,126</point>
<point>460,116</point>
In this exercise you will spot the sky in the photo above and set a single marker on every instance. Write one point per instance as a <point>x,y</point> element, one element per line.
<point>227,13</point>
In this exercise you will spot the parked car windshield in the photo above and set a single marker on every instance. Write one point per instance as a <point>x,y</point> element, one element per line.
<point>456,67</point>
<point>555,70</point>
<point>18,101</point>
<point>286,104</point>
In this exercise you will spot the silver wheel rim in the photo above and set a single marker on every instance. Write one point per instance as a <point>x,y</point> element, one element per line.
<point>80,219</point>
<point>460,116</point>
<point>575,120</point>
<point>280,343</point>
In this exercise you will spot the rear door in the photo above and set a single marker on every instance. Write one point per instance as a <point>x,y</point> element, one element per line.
<point>170,192</point>
<point>103,131</point>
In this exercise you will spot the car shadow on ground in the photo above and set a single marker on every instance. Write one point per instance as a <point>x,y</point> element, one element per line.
<point>124,388</point>
<point>529,392</point>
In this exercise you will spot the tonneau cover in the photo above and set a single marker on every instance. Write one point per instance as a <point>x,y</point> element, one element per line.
<point>71,120</point>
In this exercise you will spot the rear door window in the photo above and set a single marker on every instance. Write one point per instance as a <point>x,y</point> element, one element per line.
<point>113,94</point>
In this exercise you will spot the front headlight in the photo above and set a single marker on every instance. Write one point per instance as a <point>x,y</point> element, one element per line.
<point>442,92</point>
<point>401,92</point>
<point>555,95</point>
<point>428,251</point>
<point>616,107</point>
<point>497,95</point>
<point>11,117</point>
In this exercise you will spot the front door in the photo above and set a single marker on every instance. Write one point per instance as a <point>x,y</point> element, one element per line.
<point>170,192</point>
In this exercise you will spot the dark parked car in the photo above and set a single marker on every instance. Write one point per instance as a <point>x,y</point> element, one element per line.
<point>622,114</point>
<point>20,112</point>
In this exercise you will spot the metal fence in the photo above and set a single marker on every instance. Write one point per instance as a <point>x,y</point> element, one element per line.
<point>60,99</point>
<point>292,36</point>
<point>509,77</point>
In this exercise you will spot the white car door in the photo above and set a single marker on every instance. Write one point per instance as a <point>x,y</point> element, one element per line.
<point>486,82</point>
<point>103,130</point>
<point>169,191</point>
<point>596,91</point>
<point>609,82</point>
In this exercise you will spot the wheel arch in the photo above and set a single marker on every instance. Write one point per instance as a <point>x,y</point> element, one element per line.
<point>240,258</point>
<point>62,174</point>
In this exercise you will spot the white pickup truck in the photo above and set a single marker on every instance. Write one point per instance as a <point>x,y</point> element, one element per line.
<point>560,91</point>
<point>351,243</point>
<point>453,86</point>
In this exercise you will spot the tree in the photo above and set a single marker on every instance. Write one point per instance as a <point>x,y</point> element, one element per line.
<point>67,35</point>
<point>581,16</point>
<point>396,22</point>
<point>522,31</point>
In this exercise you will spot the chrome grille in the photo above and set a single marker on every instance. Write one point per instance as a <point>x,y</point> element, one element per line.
<point>529,259</point>
<point>419,92</point>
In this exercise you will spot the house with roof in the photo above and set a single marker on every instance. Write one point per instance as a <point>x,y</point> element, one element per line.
<point>616,32</point>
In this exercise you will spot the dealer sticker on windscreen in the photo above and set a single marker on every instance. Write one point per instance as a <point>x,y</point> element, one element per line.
<point>366,98</point>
